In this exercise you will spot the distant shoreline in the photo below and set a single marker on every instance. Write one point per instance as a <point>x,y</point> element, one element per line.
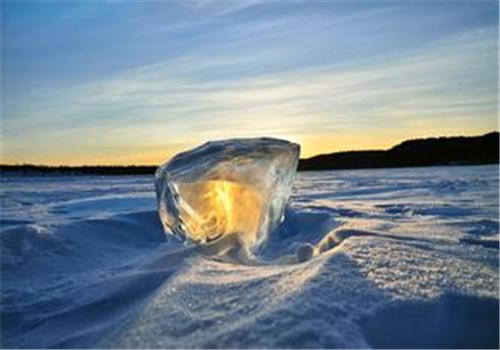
<point>123,171</point>
<point>442,151</point>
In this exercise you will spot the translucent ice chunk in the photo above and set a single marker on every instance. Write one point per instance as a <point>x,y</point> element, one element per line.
<point>222,187</point>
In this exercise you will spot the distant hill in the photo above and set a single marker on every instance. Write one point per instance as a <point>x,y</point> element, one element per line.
<point>421,152</point>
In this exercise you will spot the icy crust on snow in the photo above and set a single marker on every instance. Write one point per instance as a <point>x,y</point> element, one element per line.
<point>223,187</point>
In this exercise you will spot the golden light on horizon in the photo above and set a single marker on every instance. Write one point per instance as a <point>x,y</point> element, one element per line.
<point>312,144</point>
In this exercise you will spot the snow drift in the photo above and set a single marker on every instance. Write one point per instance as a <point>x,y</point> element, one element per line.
<point>402,253</point>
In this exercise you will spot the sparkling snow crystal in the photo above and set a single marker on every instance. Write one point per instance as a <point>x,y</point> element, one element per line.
<point>222,187</point>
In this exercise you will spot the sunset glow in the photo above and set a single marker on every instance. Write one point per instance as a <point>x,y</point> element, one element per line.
<point>144,81</point>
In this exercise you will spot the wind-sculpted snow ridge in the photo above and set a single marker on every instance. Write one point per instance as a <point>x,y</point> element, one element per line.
<point>85,263</point>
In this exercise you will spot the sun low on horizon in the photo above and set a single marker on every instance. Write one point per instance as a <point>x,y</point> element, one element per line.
<point>121,83</point>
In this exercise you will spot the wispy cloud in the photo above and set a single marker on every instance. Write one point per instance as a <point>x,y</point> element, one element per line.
<point>444,85</point>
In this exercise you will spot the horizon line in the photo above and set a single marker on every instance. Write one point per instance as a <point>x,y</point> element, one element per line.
<point>317,155</point>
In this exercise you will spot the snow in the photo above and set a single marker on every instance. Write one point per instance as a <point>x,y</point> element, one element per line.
<point>402,258</point>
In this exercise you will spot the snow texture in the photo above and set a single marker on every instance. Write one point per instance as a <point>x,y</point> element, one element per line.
<point>392,258</point>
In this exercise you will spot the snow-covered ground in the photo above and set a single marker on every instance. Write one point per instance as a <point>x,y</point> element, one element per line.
<point>84,263</point>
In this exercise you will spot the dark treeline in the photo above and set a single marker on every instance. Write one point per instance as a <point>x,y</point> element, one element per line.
<point>108,170</point>
<point>422,152</point>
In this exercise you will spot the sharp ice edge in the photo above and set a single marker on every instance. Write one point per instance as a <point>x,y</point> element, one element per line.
<point>231,186</point>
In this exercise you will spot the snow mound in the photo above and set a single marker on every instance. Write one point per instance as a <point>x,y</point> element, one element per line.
<point>86,264</point>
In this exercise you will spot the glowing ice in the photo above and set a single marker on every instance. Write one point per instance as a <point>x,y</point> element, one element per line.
<point>222,187</point>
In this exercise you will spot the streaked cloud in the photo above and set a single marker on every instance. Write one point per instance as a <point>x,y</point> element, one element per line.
<point>266,75</point>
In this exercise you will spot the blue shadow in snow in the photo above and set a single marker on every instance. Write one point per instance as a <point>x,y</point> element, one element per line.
<point>452,321</point>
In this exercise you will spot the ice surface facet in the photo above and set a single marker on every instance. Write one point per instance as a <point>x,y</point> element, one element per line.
<point>222,187</point>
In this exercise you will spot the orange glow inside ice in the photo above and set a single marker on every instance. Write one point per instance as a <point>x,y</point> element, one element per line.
<point>214,208</point>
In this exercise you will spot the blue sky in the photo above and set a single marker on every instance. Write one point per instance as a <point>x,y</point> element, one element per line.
<point>135,82</point>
